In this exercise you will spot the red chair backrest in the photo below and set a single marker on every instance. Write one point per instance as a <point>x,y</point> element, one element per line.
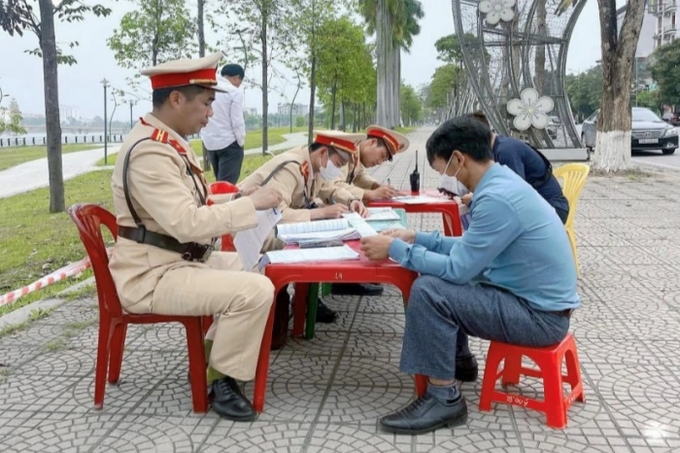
<point>89,218</point>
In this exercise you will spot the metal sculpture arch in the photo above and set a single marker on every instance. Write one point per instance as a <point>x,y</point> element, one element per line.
<point>515,56</point>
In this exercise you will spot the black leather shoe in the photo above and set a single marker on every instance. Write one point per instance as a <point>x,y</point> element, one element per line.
<point>324,314</point>
<point>227,401</point>
<point>356,289</point>
<point>426,414</point>
<point>467,369</point>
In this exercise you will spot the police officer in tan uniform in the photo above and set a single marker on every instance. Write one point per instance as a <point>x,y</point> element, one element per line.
<point>163,261</point>
<point>380,146</point>
<point>300,176</point>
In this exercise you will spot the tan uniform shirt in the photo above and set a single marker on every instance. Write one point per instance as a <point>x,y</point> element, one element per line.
<point>166,198</point>
<point>354,178</point>
<point>296,184</point>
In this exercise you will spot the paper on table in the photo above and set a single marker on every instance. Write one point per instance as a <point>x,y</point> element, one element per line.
<point>311,227</point>
<point>380,214</point>
<point>308,255</point>
<point>421,199</point>
<point>364,229</point>
<point>248,243</point>
<point>346,234</point>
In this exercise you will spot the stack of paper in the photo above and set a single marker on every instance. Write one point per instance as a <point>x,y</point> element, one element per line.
<point>321,230</point>
<point>308,255</point>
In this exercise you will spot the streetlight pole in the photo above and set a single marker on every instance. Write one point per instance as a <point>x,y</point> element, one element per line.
<point>106,138</point>
<point>131,104</point>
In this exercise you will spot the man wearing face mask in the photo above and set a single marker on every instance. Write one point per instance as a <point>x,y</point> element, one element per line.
<point>511,277</point>
<point>529,163</point>
<point>300,176</point>
<point>379,147</point>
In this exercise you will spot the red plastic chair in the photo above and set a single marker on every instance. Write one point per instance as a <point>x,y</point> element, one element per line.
<point>113,321</point>
<point>549,360</point>
<point>222,187</point>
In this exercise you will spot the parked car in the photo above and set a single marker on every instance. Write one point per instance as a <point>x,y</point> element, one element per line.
<point>649,132</point>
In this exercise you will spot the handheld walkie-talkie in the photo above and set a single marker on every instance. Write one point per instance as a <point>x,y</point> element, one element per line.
<point>415,178</point>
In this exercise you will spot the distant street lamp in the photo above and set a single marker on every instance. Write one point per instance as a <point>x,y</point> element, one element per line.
<point>106,138</point>
<point>131,104</point>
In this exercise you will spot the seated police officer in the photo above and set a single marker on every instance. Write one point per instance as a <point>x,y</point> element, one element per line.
<point>162,261</point>
<point>300,176</point>
<point>380,146</point>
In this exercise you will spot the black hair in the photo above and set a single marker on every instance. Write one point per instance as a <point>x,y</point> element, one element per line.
<point>331,149</point>
<point>317,146</point>
<point>382,144</point>
<point>158,97</point>
<point>479,115</point>
<point>462,133</point>
<point>231,70</point>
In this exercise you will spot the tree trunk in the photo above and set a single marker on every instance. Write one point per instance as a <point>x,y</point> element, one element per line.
<point>539,59</point>
<point>613,144</point>
<point>385,54</point>
<point>333,96</point>
<point>312,95</point>
<point>265,100</point>
<point>48,46</point>
<point>201,53</point>
<point>396,88</point>
<point>293,103</point>
<point>343,118</point>
<point>355,108</point>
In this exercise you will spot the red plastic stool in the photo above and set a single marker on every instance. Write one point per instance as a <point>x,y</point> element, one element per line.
<point>223,187</point>
<point>549,360</point>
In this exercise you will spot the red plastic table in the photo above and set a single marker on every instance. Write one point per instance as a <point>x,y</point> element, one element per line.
<point>350,271</point>
<point>447,207</point>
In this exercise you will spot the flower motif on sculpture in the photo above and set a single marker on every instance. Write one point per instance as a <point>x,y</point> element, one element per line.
<point>497,10</point>
<point>530,110</point>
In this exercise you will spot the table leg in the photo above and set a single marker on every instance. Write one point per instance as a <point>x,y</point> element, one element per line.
<point>260,385</point>
<point>312,306</point>
<point>300,308</point>
<point>447,225</point>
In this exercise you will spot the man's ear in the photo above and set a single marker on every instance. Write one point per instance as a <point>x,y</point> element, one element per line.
<point>175,99</point>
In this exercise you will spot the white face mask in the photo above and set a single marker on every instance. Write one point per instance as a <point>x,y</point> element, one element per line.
<point>330,172</point>
<point>451,183</point>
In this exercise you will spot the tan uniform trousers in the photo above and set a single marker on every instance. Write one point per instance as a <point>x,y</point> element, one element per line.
<point>240,300</point>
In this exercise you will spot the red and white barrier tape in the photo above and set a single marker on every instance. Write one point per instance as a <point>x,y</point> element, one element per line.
<point>61,274</point>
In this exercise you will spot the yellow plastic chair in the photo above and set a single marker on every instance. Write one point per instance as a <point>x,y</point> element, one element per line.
<point>574,177</point>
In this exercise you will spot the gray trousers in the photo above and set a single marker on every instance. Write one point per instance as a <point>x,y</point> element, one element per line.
<point>441,315</point>
<point>227,162</point>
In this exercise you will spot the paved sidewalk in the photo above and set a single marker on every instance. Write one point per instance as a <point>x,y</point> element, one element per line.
<point>326,395</point>
<point>34,174</point>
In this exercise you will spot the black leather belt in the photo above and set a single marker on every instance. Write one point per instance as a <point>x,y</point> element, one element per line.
<point>190,251</point>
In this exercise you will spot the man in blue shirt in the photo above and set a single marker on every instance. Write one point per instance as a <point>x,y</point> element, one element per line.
<point>531,166</point>
<point>511,276</point>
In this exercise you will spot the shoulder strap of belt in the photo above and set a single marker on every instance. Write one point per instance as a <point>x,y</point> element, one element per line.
<point>279,167</point>
<point>126,190</point>
<point>305,175</point>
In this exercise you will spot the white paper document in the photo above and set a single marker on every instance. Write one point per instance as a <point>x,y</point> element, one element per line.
<point>421,199</point>
<point>248,243</point>
<point>311,227</point>
<point>308,255</point>
<point>381,214</point>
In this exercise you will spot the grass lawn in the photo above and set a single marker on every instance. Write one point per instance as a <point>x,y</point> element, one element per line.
<point>253,140</point>
<point>34,242</point>
<point>16,155</point>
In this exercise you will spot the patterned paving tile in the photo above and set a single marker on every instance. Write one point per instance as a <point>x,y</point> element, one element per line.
<point>327,394</point>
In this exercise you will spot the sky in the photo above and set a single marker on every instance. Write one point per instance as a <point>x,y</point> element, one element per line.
<point>80,87</point>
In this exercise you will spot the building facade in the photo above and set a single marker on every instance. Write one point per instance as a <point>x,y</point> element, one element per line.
<point>665,23</point>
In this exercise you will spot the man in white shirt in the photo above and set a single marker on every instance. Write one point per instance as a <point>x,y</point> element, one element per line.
<point>224,136</point>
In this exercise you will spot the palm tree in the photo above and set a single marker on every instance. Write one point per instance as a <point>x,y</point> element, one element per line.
<point>395,23</point>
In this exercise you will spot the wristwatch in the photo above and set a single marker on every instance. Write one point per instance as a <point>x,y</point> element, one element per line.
<point>349,203</point>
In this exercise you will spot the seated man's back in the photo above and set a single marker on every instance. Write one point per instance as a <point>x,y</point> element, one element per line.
<point>537,263</point>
